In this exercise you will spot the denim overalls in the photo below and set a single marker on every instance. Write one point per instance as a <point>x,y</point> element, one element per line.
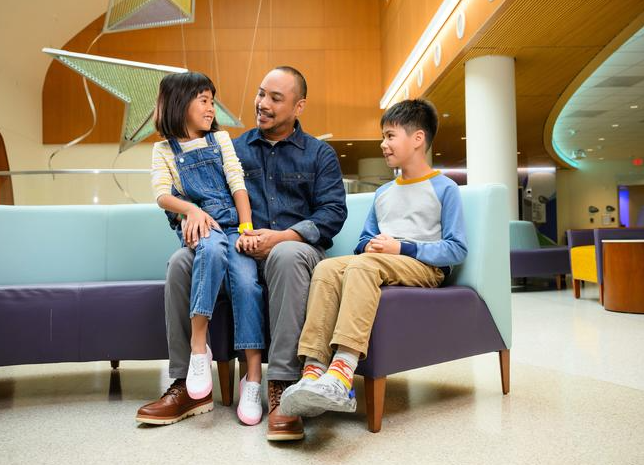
<point>202,175</point>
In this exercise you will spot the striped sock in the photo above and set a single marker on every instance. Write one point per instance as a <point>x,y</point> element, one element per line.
<point>342,367</point>
<point>313,369</point>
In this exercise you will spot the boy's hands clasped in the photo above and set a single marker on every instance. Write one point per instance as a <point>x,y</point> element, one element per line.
<point>383,243</point>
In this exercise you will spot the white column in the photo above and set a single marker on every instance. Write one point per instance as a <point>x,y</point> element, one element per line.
<point>491,124</point>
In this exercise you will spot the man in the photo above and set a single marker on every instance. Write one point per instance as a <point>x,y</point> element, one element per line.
<point>297,196</point>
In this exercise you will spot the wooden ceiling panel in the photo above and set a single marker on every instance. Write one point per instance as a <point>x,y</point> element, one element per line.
<point>313,36</point>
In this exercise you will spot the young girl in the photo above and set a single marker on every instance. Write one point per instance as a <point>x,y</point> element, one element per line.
<point>198,162</point>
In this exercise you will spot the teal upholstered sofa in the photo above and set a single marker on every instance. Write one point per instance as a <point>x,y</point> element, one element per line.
<point>81,283</point>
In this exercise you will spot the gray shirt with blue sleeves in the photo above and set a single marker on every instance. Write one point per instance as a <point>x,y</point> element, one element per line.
<point>425,214</point>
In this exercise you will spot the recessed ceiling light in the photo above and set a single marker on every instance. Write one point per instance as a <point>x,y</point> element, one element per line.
<point>634,107</point>
<point>349,144</point>
<point>518,153</point>
<point>445,115</point>
<point>438,154</point>
<point>463,138</point>
<point>343,155</point>
<point>615,125</point>
<point>601,138</point>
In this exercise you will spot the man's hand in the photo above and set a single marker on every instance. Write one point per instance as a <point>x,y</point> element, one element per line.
<point>267,239</point>
<point>383,243</point>
<point>197,225</point>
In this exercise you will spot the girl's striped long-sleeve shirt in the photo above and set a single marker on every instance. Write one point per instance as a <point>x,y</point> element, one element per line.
<point>164,168</point>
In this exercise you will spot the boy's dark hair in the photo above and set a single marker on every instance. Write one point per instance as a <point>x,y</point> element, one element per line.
<point>176,91</point>
<point>299,78</point>
<point>413,115</point>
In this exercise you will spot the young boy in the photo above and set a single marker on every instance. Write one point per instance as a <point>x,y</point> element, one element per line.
<point>413,236</point>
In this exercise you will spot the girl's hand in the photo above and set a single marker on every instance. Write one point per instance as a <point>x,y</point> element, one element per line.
<point>246,243</point>
<point>197,225</point>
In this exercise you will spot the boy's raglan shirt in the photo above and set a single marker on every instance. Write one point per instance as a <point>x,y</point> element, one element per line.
<point>425,214</point>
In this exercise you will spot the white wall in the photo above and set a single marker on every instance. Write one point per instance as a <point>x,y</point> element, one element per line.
<point>25,28</point>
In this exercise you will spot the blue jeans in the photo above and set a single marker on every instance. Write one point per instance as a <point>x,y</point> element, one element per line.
<point>216,262</point>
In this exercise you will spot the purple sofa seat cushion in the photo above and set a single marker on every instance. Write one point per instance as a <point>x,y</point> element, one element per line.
<point>76,322</point>
<point>417,327</point>
<point>39,324</point>
<point>547,261</point>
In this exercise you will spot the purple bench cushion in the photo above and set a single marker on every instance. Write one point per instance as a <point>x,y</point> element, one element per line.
<point>417,327</point>
<point>93,321</point>
<point>547,261</point>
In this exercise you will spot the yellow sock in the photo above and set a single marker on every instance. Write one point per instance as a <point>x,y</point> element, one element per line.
<point>341,370</point>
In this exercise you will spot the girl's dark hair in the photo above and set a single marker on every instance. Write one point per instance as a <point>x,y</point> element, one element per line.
<point>413,115</point>
<point>176,91</point>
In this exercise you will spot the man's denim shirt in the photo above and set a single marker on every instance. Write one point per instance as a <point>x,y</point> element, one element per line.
<point>295,184</point>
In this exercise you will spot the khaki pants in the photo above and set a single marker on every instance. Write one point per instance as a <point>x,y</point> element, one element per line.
<point>344,297</point>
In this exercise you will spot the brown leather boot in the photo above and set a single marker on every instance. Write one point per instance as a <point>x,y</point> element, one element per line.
<point>174,406</point>
<point>281,427</point>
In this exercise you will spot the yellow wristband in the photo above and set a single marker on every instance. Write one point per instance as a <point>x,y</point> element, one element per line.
<point>245,226</point>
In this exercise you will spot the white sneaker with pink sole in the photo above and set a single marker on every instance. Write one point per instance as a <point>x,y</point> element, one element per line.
<point>249,410</point>
<point>199,380</point>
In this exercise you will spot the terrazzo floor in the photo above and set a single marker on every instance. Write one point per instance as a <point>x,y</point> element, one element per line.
<point>577,397</point>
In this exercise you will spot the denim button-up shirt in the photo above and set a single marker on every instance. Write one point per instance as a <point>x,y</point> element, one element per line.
<point>295,184</point>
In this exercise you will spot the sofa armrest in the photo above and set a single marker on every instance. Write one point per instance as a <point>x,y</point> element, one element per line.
<point>487,266</point>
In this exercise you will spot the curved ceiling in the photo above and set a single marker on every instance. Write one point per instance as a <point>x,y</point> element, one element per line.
<point>604,118</point>
<point>552,42</point>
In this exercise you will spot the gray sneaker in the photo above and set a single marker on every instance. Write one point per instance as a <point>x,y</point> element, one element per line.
<point>291,404</point>
<point>312,398</point>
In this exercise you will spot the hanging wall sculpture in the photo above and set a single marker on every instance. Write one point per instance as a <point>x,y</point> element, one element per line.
<point>137,84</point>
<point>127,15</point>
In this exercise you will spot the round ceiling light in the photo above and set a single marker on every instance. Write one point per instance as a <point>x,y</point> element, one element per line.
<point>460,24</point>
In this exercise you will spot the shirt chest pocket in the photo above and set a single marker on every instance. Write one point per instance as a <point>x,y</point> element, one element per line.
<point>251,174</point>
<point>299,177</point>
<point>295,190</point>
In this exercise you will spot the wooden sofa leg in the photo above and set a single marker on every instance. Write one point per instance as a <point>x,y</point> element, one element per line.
<point>576,285</point>
<point>504,362</point>
<point>601,293</point>
<point>375,396</point>
<point>226,372</point>
<point>115,364</point>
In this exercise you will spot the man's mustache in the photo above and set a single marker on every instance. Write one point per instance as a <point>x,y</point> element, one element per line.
<point>259,111</point>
